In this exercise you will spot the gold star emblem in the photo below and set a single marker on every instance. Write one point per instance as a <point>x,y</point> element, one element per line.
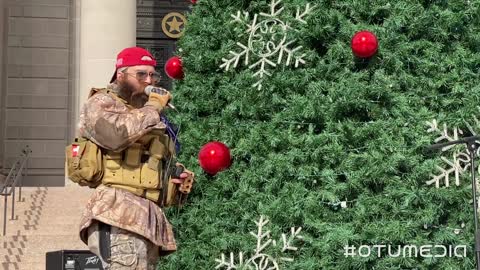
<point>175,22</point>
<point>174,25</point>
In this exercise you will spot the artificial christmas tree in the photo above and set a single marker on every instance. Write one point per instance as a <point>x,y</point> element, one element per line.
<point>324,142</point>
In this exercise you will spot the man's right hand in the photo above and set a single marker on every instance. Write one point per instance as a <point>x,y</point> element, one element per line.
<point>158,101</point>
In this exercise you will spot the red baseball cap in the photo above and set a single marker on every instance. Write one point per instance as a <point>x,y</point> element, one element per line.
<point>133,56</point>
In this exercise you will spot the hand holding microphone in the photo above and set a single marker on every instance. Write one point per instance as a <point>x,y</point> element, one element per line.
<point>158,97</point>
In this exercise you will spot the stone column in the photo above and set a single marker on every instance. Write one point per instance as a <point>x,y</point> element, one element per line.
<point>101,28</point>
<point>106,27</point>
<point>3,83</point>
<point>3,41</point>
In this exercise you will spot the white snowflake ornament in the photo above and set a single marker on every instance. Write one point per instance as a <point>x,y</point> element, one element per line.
<point>267,44</point>
<point>260,260</point>
<point>460,160</point>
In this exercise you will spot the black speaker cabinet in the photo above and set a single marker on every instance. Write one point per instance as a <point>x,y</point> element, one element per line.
<point>72,260</point>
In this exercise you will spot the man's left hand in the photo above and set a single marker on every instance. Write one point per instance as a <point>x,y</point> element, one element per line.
<point>185,180</point>
<point>182,178</point>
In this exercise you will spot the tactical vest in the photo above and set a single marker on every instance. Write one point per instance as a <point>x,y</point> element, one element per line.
<point>144,168</point>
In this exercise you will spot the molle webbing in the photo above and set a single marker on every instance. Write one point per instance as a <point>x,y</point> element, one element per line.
<point>141,167</point>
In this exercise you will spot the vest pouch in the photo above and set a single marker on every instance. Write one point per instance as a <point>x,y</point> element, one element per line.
<point>153,195</point>
<point>167,142</point>
<point>157,149</point>
<point>131,176</point>
<point>83,160</point>
<point>133,154</point>
<point>131,165</point>
<point>149,178</point>
<point>154,164</point>
<point>171,197</point>
<point>113,168</point>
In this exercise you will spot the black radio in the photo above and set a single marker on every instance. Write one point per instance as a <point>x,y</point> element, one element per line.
<point>72,260</point>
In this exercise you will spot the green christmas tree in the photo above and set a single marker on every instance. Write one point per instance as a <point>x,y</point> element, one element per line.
<point>325,141</point>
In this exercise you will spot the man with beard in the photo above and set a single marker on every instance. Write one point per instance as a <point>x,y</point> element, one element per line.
<point>123,223</point>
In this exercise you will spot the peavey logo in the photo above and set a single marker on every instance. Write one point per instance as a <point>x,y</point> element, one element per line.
<point>92,260</point>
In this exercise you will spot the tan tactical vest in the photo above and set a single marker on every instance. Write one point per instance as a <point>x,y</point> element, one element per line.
<point>143,168</point>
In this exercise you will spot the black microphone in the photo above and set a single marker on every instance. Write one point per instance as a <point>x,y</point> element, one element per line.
<point>152,89</point>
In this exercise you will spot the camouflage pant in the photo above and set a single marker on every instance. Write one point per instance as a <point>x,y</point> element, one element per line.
<point>128,251</point>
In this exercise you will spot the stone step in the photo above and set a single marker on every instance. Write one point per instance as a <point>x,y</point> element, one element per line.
<point>46,220</point>
<point>32,249</point>
<point>56,205</point>
<point>11,230</point>
<point>59,229</point>
<point>51,210</point>
<point>21,266</point>
<point>13,247</point>
<point>43,229</point>
<point>54,222</point>
<point>64,225</point>
<point>54,212</point>
<point>50,214</point>
<point>13,266</point>
<point>20,207</point>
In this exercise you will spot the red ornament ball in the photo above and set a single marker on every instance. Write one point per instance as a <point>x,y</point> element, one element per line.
<point>214,157</point>
<point>193,1</point>
<point>364,44</point>
<point>174,68</point>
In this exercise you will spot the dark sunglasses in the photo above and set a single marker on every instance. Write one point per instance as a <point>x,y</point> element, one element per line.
<point>142,75</point>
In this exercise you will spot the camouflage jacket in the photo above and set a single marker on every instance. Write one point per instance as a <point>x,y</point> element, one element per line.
<point>114,125</point>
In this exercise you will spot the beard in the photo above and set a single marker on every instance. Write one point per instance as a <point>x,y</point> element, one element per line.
<point>127,91</point>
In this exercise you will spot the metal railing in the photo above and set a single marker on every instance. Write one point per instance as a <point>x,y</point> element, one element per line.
<point>13,180</point>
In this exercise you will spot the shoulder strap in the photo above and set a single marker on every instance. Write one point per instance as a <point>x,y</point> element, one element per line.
<point>109,92</point>
<point>94,91</point>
